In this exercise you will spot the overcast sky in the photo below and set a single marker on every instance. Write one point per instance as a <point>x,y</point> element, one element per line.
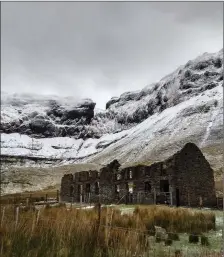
<point>102,49</point>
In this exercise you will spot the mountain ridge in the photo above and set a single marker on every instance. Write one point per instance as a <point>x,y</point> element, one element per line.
<point>144,125</point>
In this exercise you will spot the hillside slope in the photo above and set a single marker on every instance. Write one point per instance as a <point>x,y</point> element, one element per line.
<point>147,125</point>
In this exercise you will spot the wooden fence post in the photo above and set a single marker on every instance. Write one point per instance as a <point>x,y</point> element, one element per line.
<point>154,196</point>
<point>200,201</point>
<point>81,199</point>
<point>27,202</point>
<point>38,216</point>
<point>3,216</point>
<point>188,199</point>
<point>99,219</point>
<point>17,216</point>
<point>46,198</point>
<point>57,198</point>
<point>106,227</point>
<point>171,197</point>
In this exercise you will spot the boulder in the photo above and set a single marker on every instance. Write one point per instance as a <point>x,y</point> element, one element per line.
<point>112,101</point>
<point>160,233</point>
<point>40,126</point>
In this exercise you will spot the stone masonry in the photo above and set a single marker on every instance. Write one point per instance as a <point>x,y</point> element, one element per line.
<point>184,179</point>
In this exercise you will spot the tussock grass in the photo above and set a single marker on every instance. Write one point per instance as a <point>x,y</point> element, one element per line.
<point>176,219</point>
<point>77,232</point>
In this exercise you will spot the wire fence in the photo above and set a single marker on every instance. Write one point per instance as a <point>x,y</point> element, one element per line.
<point>54,197</point>
<point>16,220</point>
<point>15,217</point>
<point>27,198</point>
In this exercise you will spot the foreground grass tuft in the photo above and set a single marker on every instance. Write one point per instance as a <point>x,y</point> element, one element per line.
<point>56,231</point>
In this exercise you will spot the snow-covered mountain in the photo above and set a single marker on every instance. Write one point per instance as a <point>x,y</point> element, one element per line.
<point>146,125</point>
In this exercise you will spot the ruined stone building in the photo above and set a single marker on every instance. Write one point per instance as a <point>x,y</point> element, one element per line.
<point>184,179</point>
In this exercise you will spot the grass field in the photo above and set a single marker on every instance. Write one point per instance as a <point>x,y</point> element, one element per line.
<point>57,231</point>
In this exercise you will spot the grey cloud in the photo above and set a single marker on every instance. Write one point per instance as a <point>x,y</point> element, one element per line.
<point>102,49</point>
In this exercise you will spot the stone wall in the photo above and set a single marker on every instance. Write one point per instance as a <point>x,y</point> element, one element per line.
<point>67,188</point>
<point>185,178</point>
<point>195,179</point>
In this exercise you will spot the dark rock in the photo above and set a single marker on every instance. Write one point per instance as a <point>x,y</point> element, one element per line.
<point>173,236</point>
<point>33,114</point>
<point>23,127</point>
<point>159,98</point>
<point>63,115</point>
<point>163,107</point>
<point>193,238</point>
<point>204,240</point>
<point>187,74</point>
<point>40,126</point>
<point>168,241</point>
<point>165,99</point>
<point>202,65</point>
<point>165,86</point>
<point>176,100</point>
<point>25,118</point>
<point>56,111</point>
<point>210,85</point>
<point>195,77</point>
<point>156,87</point>
<point>211,73</point>
<point>139,115</point>
<point>204,108</point>
<point>189,91</point>
<point>50,130</point>
<point>151,106</point>
<point>218,63</point>
<point>123,118</point>
<point>220,78</point>
<point>112,101</point>
<point>77,113</point>
<point>128,96</point>
<point>187,86</point>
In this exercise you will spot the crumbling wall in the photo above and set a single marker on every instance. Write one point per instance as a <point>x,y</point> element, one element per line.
<point>84,186</point>
<point>185,178</point>
<point>67,188</point>
<point>195,178</point>
<point>108,189</point>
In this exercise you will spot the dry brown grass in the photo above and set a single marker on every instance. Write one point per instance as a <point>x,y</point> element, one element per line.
<point>176,219</point>
<point>33,196</point>
<point>76,232</point>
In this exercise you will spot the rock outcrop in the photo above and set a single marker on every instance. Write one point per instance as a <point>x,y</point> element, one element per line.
<point>55,117</point>
<point>146,125</point>
<point>46,118</point>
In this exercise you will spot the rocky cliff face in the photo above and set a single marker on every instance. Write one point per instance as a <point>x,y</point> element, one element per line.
<point>149,124</point>
<point>54,117</point>
<point>45,117</point>
<point>192,79</point>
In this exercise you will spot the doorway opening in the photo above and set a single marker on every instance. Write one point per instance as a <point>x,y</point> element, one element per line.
<point>177,197</point>
<point>164,186</point>
<point>97,188</point>
<point>148,187</point>
<point>87,188</point>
